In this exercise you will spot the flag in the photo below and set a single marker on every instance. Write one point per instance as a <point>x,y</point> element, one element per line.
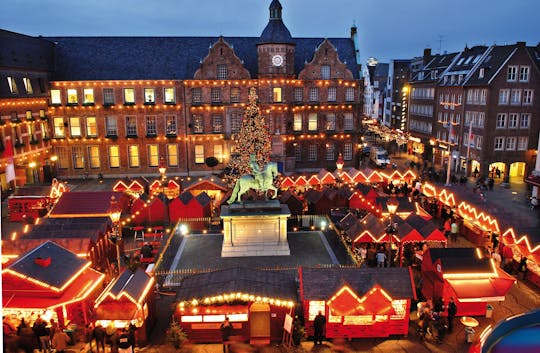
<point>471,136</point>
<point>8,155</point>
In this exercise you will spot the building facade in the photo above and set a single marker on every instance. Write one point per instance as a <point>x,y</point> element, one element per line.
<point>126,105</point>
<point>477,108</point>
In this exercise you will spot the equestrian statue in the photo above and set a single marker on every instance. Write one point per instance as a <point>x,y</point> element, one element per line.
<point>260,180</point>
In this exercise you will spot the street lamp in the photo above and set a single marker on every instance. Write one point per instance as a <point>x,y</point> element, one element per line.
<point>162,168</point>
<point>392,206</point>
<point>340,163</point>
<point>115,236</point>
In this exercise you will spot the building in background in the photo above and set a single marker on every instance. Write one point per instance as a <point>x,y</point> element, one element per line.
<point>26,64</point>
<point>119,105</point>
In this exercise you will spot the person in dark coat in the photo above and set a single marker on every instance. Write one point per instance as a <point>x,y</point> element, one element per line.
<point>226,333</point>
<point>452,311</point>
<point>319,324</point>
<point>99,335</point>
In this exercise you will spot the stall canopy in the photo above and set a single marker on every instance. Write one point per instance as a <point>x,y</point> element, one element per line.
<point>124,296</point>
<point>87,204</point>
<point>295,202</point>
<point>49,277</point>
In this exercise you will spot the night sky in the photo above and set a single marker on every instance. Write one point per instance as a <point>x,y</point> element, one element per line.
<point>387,29</point>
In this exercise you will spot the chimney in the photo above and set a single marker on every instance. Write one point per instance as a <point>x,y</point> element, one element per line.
<point>427,52</point>
<point>427,56</point>
<point>353,31</point>
<point>42,262</point>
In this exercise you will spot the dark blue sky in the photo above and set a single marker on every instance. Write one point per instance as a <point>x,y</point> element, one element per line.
<point>387,29</point>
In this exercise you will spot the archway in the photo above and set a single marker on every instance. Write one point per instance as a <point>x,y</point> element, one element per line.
<point>517,169</point>
<point>493,167</point>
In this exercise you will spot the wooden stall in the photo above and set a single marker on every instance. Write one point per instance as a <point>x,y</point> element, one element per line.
<point>255,301</point>
<point>129,299</point>
<point>53,282</point>
<point>358,302</point>
<point>464,274</point>
<point>31,202</point>
<point>293,201</point>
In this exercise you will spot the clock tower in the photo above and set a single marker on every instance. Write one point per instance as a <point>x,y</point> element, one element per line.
<point>275,50</point>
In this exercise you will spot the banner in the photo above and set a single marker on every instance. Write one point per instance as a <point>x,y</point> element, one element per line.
<point>8,154</point>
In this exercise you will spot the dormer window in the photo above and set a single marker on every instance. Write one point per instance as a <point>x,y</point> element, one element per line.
<point>434,74</point>
<point>481,73</point>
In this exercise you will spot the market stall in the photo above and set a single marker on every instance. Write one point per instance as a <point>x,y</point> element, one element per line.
<point>358,302</point>
<point>52,282</point>
<point>129,299</point>
<point>464,274</point>
<point>255,301</point>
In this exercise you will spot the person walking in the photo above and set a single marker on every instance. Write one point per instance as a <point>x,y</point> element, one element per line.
<point>60,340</point>
<point>381,258</point>
<point>226,333</point>
<point>42,333</point>
<point>454,230</point>
<point>318,325</point>
<point>452,311</point>
<point>99,335</point>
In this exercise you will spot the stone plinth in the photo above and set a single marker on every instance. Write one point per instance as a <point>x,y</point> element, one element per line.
<point>256,228</point>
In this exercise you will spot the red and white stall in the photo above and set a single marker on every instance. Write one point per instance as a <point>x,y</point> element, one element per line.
<point>358,302</point>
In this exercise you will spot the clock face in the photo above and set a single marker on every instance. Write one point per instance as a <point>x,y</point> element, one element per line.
<point>277,60</point>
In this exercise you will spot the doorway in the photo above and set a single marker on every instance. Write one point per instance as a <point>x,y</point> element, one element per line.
<point>259,323</point>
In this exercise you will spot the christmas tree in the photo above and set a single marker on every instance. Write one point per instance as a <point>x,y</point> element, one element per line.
<point>253,138</point>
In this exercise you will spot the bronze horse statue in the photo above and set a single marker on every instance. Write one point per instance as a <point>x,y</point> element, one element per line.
<point>262,182</point>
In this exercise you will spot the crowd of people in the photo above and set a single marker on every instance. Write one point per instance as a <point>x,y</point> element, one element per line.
<point>436,318</point>
<point>42,335</point>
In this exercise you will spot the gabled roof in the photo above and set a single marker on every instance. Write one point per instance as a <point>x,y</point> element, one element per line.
<point>313,196</point>
<point>203,199</point>
<point>271,284</point>
<point>63,228</point>
<point>491,64</point>
<point>168,58</point>
<point>208,182</point>
<point>185,197</point>
<point>58,265</point>
<point>322,283</point>
<point>84,204</point>
<point>129,284</point>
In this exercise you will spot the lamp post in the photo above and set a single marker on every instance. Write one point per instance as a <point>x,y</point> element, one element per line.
<point>115,236</point>
<point>392,206</point>
<point>162,168</point>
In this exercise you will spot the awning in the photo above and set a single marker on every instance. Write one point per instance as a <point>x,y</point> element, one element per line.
<point>482,290</point>
<point>533,180</point>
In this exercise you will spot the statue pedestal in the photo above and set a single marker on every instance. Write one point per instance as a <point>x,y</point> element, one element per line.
<point>255,228</point>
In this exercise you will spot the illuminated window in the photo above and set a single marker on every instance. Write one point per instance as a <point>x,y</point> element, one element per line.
<point>28,85</point>
<point>56,97</point>
<point>347,151</point>
<point>222,72</point>
<point>131,126</point>
<point>215,94</point>
<point>63,160</point>
<point>297,153</point>
<point>93,157</point>
<point>44,130</point>
<point>236,122</point>
<point>170,96</point>
<point>170,125</point>
<point>196,95</point>
<point>12,85</point>
<point>88,96</point>
<point>108,96</point>
<point>59,128</point>
<point>276,94</point>
<point>197,124</point>
<point>349,94</point>
<point>72,97</point>
<point>217,124</point>
<point>332,94</point>
<point>348,121</point>
<point>330,151</point>
<point>218,153</point>
<point>151,126</point>
<point>91,126</point>
<point>330,122</point>
<point>312,122</point>
<point>312,153</point>
<point>297,124</point>
<point>114,156</point>
<point>133,156</point>
<point>314,94</point>
<point>298,94</point>
<point>325,72</point>
<point>191,318</point>
<point>172,155</point>
<point>75,129</point>
<point>235,94</point>
<point>77,152</point>
<point>153,155</point>
<point>29,115</point>
<point>149,96</point>
<point>199,154</point>
<point>314,307</point>
<point>129,96</point>
<point>111,126</point>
